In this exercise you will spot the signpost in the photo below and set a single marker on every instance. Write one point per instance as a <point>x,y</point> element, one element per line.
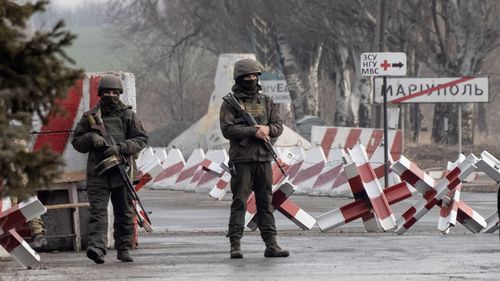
<point>384,64</point>
<point>277,90</point>
<point>432,90</point>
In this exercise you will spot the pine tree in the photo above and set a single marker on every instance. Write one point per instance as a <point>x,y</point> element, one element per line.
<point>34,72</point>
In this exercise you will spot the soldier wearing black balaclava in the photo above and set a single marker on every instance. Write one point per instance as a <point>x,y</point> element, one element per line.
<point>127,131</point>
<point>251,162</point>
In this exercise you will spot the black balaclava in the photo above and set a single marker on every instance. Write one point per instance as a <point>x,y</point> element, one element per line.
<point>110,103</point>
<point>247,87</point>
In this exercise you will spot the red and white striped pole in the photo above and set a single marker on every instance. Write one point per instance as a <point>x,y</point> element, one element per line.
<point>10,240</point>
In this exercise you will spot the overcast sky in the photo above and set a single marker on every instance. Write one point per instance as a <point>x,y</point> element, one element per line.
<point>74,3</point>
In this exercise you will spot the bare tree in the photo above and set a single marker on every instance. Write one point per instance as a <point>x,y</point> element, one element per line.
<point>460,37</point>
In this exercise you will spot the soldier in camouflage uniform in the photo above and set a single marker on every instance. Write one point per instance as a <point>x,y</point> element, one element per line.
<point>122,124</point>
<point>250,162</point>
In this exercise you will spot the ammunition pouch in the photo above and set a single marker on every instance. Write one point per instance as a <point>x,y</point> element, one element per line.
<point>107,164</point>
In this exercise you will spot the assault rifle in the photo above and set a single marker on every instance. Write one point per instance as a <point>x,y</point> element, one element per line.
<point>122,164</point>
<point>235,105</point>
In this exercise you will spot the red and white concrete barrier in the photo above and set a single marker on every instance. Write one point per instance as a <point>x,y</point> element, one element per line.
<point>432,194</point>
<point>377,163</point>
<point>449,211</point>
<point>222,186</point>
<point>299,155</point>
<point>492,222</point>
<point>283,204</point>
<point>160,153</point>
<point>363,176</point>
<point>212,161</point>
<point>361,208</point>
<point>10,240</point>
<point>333,168</point>
<point>148,173</point>
<point>489,165</point>
<point>146,156</point>
<point>192,166</point>
<point>173,165</point>
<point>310,170</point>
<point>334,137</point>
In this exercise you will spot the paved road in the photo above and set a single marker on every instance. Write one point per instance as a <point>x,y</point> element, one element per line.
<point>189,244</point>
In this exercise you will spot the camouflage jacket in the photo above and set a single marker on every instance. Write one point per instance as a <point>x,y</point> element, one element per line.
<point>235,129</point>
<point>126,130</point>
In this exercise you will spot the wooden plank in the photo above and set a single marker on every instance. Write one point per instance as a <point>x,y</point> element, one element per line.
<point>73,199</point>
<point>71,176</point>
<point>67,206</point>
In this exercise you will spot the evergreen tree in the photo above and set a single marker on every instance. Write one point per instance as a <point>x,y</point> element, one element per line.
<point>34,72</point>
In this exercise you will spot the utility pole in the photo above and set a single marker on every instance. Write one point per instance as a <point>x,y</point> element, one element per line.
<point>380,47</point>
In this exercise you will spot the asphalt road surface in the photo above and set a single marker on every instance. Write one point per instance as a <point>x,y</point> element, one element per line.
<point>189,244</point>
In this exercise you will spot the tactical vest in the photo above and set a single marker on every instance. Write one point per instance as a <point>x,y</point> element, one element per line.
<point>115,127</point>
<point>257,108</point>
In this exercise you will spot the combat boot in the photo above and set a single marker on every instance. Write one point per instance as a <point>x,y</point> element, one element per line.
<point>235,252</point>
<point>95,254</point>
<point>273,250</point>
<point>124,256</point>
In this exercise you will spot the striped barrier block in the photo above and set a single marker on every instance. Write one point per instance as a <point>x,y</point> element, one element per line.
<point>370,221</point>
<point>310,170</point>
<point>492,223</point>
<point>10,240</point>
<point>299,156</point>
<point>361,176</point>
<point>148,173</point>
<point>449,212</point>
<point>286,160</point>
<point>283,204</point>
<point>346,137</point>
<point>432,194</point>
<point>377,163</point>
<point>333,168</point>
<point>146,156</point>
<point>193,165</point>
<point>361,208</point>
<point>290,160</point>
<point>174,163</point>
<point>209,179</point>
<point>221,187</point>
<point>340,186</point>
<point>489,165</point>
<point>160,153</point>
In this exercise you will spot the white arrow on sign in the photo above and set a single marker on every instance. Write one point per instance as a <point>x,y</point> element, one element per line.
<point>383,64</point>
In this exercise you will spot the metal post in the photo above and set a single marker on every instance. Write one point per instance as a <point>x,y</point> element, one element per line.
<point>386,168</point>
<point>459,128</point>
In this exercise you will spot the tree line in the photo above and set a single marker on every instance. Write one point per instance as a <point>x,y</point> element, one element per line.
<point>316,46</point>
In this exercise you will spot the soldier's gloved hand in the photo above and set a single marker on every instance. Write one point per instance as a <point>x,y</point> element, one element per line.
<point>263,129</point>
<point>112,150</point>
<point>262,133</point>
<point>97,140</point>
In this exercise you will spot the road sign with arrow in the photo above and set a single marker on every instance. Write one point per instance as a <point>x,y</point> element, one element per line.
<point>383,64</point>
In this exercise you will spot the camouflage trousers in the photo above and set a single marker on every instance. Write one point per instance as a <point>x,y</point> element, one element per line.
<point>35,225</point>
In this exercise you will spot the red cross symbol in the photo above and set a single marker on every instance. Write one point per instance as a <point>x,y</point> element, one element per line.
<point>385,65</point>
